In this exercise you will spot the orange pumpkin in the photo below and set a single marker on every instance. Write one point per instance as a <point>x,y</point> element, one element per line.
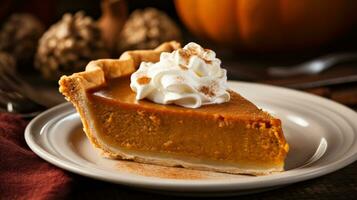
<point>267,25</point>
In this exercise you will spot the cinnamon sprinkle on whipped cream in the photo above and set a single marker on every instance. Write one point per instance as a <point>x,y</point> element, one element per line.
<point>143,80</point>
<point>188,77</point>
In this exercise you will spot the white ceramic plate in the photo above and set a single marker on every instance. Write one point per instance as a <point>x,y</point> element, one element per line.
<point>322,135</point>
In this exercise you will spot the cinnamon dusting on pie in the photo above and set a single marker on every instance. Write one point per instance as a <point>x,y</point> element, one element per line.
<point>207,61</point>
<point>183,67</point>
<point>144,80</point>
<point>187,53</point>
<point>207,91</point>
<point>161,171</point>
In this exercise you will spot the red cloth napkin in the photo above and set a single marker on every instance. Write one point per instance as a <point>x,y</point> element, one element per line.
<point>23,175</point>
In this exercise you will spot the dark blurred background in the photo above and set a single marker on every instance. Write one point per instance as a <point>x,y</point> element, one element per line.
<point>309,30</point>
<point>51,11</point>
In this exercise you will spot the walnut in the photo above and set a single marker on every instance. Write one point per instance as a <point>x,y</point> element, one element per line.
<point>146,29</point>
<point>19,37</point>
<point>69,45</point>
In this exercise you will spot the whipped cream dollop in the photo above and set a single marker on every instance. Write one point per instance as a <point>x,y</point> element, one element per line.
<point>189,77</point>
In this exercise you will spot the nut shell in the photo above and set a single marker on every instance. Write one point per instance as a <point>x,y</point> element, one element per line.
<point>69,45</point>
<point>146,29</point>
<point>19,36</point>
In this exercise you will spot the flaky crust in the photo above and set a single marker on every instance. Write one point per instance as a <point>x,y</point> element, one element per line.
<point>96,74</point>
<point>98,71</point>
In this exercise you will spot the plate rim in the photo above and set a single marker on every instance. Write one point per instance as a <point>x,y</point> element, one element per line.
<point>195,186</point>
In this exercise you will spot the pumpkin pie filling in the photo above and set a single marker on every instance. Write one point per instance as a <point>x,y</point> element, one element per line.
<point>236,131</point>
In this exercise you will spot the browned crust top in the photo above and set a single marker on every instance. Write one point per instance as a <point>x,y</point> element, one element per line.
<point>97,72</point>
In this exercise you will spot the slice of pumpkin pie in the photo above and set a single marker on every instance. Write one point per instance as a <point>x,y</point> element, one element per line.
<point>171,106</point>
